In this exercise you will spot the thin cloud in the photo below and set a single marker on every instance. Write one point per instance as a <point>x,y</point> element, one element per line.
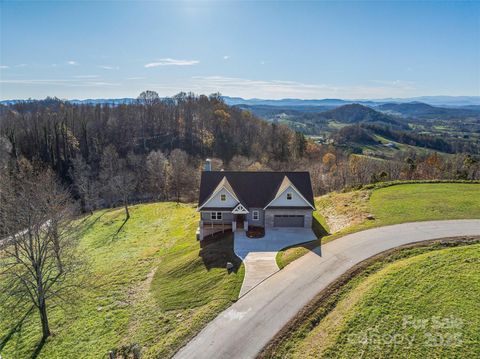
<point>135,78</point>
<point>249,88</point>
<point>171,62</point>
<point>4,67</point>
<point>107,67</point>
<point>72,62</point>
<point>86,76</point>
<point>21,65</point>
<point>226,57</point>
<point>406,85</point>
<point>62,82</point>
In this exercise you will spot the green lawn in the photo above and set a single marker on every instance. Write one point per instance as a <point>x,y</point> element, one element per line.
<point>151,286</point>
<point>421,202</point>
<point>347,212</point>
<point>415,303</point>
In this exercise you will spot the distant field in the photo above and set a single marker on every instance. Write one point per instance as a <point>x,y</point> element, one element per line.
<point>150,286</point>
<point>347,212</point>
<point>417,303</point>
<point>389,152</point>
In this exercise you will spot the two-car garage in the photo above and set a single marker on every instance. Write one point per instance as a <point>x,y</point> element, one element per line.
<point>284,220</point>
<point>288,218</point>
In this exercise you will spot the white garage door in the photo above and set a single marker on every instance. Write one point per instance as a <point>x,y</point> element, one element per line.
<point>288,220</point>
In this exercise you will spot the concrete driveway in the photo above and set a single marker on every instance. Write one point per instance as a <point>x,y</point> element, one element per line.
<point>243,329</point>
<point>258,254</point>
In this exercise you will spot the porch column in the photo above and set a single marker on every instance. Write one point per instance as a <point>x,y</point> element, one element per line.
<point>201,232</point>
<point>234,226</point>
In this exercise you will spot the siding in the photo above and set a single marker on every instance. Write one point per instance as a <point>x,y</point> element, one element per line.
<point>226,217</point>
<point>296,200</point>
<point>261,219</point>
<point>216,202</point>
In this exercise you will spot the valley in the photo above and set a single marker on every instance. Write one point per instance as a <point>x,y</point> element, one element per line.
<point>387,129</point>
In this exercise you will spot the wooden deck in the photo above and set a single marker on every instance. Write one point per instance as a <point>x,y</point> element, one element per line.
<point>210,228</point>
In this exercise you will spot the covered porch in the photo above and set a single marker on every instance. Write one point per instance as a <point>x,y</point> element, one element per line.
<point>220,222</point>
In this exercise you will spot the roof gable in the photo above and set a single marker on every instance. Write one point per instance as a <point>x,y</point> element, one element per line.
<point>255,189</point>
<point>225,187</point>
<point>280,198</point>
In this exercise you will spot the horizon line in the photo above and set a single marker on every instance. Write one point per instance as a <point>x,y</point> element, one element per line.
<point>246,99</point>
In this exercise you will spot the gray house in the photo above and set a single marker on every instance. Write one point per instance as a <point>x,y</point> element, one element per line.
<point>236,200</point>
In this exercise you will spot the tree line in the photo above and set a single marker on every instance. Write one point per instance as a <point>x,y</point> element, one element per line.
<point>150,150</point>
<point>59,159</point>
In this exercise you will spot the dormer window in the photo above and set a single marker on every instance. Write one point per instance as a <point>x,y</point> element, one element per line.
<point>289,196</point>
<point>223,197</point>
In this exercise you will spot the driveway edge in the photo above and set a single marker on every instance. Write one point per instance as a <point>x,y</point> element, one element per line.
<point>269,350</point>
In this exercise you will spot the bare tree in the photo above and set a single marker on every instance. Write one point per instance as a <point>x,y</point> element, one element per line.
<point>84,183</point>
<point>148,98</point>
<point>38,256</point>
<point>109,169</point>
<point>181,176</point>
<point>124,184</point>
<point>5,150</point>
<point>240,163</point>
<point>157,172</point>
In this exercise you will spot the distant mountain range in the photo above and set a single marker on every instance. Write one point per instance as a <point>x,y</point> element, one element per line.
<point>423,110</point>
<point>356,113</point>
<point>89,101</point>
<point>445,101</point>
<point>449,101</point>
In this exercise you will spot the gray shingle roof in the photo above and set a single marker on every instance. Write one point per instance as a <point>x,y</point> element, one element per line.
<point>255,189</point>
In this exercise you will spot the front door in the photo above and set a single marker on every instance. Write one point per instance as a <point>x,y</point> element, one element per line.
<point>240,219</point>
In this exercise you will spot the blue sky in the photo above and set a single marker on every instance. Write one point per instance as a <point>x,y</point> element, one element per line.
<point>250,49</point>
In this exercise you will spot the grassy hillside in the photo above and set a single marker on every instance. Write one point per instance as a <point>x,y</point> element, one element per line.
<point>419,302</point>
<point>348,212</point>
<point>150,286</point>
<point>380,150</point>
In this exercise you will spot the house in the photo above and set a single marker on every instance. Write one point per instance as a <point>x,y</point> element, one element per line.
<point>232,200</point>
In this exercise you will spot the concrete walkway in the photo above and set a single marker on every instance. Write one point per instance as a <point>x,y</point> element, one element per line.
<point>258,254</point>
<point>243,329</point>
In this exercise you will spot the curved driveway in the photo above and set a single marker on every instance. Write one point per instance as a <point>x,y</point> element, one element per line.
<point>244,328</point>
<point>259,254</point>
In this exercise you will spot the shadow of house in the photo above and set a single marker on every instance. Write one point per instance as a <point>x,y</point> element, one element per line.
<point>319,230</point>
<point>217,250</point>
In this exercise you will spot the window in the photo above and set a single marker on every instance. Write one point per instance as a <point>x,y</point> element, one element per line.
<point>223,197</point>
<point>256,215</point>
<point>289,196</point>
<point>216,215</point>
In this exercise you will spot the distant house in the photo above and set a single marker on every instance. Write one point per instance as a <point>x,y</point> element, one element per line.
<point>236,200</point>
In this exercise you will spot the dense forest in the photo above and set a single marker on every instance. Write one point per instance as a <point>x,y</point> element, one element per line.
<point>449,130</point>
<point>154,149</point>
<point>90,146</point>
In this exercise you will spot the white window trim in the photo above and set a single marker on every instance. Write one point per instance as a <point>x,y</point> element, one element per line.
<point>256,214</point>
<point>218,216</point>
<point>223,197</point>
